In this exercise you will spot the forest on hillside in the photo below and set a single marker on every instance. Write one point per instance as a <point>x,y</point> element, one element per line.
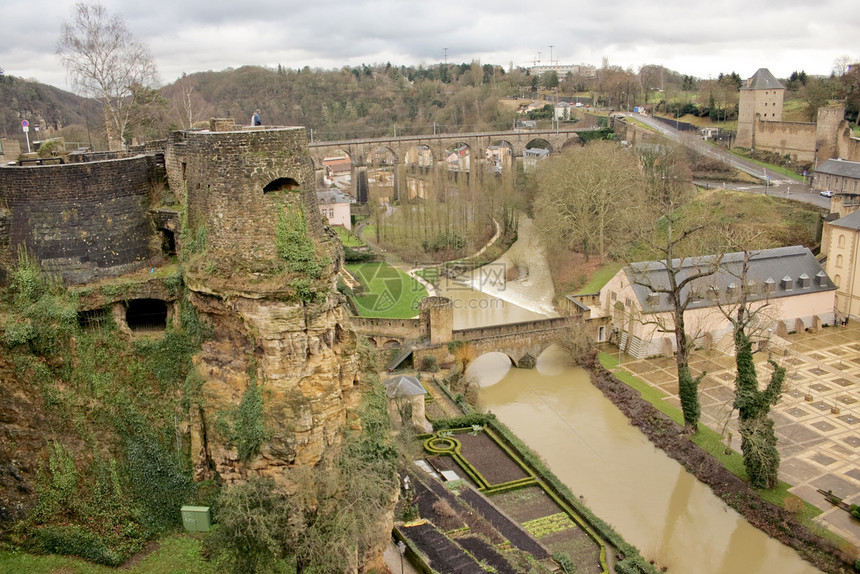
<point>379,100</point>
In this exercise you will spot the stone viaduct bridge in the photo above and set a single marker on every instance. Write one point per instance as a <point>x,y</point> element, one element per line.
<point>364,153</point>
<point>430,335</point>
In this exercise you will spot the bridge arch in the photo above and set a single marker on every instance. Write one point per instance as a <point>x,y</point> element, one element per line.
<point>500,156</point>
<point>493,365</point>
<point>539,143</point>
<point>458,157</point>
<point>573,140</point>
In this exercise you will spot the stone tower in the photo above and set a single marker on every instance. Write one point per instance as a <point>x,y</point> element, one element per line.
<point>282,328</point>
<point>760,98</point>
<point>827,132</point>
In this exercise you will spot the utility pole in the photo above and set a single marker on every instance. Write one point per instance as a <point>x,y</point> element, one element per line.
<point>550,54</point>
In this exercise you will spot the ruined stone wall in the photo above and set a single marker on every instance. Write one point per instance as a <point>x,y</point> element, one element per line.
<point>83,222</point>
<point>223,176</point>
<point>829,121</point>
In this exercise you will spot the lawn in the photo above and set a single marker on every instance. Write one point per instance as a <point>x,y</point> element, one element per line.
<point>176,554</point>
<point>389,292</point>
<point>600,278</point>
<point>772,168</point>
<point>347,238</point>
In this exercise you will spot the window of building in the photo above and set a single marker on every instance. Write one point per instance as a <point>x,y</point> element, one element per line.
<point>838,261</point>
<point>331,212</point>
<point>837,280</point>
<point>841,241</point>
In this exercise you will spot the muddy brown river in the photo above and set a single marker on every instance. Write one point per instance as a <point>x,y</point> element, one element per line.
<point>651,501</point>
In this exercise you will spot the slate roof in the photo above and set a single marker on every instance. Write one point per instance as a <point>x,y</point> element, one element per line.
<point>330,196</point>
<point>840,167</point>
<point>773,273</point>
<point>850,221</point>
<point>403,386</point>
<point>763,80</point>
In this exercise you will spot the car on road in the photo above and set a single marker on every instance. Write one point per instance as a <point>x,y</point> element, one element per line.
<point>825,193</point>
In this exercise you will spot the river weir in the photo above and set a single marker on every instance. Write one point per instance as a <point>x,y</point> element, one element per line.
<point>649,498</point>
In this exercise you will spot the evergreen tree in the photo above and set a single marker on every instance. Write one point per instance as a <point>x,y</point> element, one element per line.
<point>758,439</point>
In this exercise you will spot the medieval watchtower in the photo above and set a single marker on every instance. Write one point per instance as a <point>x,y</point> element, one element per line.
<point>238,184</point>
<point>760,98</point>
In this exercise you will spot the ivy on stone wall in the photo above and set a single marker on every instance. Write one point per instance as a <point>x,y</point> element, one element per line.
<point>294,245</point>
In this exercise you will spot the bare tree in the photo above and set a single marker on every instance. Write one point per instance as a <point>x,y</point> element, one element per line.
<point>105,62</point>
<point>589,198</point>
<point>676,274</point>
<point>841,65</point>
<point>187,105</point>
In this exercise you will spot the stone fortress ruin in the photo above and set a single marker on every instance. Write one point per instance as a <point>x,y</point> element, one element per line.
<point>218,198</point>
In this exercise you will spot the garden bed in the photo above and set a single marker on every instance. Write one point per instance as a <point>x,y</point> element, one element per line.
<point>489,459</point>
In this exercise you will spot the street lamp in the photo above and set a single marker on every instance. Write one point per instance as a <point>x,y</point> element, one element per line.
<point>402,548</point>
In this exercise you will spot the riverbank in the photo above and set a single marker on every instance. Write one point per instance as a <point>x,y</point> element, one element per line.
<point>669,437</point>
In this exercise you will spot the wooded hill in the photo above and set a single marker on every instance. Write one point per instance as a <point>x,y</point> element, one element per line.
<point>375,101</point>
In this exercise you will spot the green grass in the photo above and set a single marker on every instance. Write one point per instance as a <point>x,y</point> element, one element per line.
<point>600,278</point>
<point>709,440</point>
<point>347,238</point>
<point>773,168</point>
<point>389,292</point>
<point>176,554</point>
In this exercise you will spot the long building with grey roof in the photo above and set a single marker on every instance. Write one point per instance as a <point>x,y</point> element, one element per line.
<point>787,285</point>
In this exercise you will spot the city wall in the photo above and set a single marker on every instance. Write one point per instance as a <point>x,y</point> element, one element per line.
<point>83,221</point>
<point>796,139</point>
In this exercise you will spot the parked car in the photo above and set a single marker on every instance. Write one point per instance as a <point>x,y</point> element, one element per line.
<point>826,193</point>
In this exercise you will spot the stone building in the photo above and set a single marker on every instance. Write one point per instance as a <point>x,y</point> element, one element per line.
<point>789,281</point>
<point>841,242</point>
<point>842,179</point>
<point>761,96</point>
<point>406,402</point>
<point>760,125</point>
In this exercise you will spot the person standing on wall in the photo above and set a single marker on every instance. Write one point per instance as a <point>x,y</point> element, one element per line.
<point>256,120</point>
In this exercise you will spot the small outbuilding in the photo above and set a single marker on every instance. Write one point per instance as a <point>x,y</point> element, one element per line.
<point>406,401</point>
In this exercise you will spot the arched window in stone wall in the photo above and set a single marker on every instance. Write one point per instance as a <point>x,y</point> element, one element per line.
<point>282,184</point>
<point>144,315</point>
<point>838,261</point>
<point>837,280</point>
<point>841,240</point>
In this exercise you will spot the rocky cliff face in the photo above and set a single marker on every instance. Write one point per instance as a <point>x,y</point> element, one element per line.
<point>304,356</point>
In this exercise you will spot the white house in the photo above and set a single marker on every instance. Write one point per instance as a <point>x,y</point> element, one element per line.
<point>334,205</point>
<point>789,281</point>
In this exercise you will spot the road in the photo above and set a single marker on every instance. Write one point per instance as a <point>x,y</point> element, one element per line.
<point>774,184</point>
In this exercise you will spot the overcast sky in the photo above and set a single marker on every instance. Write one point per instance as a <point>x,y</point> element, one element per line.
<point>693,37</point>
